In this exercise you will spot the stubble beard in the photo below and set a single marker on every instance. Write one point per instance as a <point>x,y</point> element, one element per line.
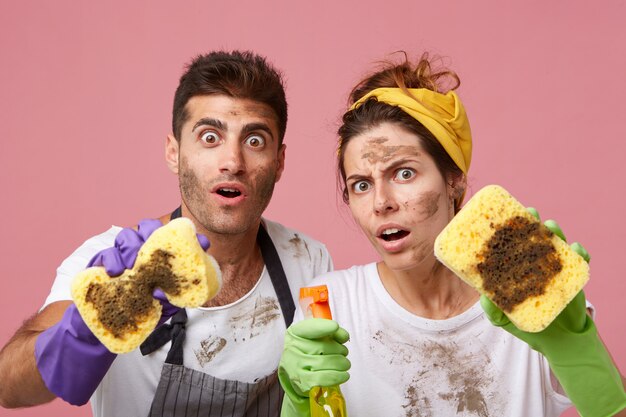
<point>226,220</point>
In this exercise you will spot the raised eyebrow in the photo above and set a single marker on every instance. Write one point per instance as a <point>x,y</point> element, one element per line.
<point>208,121</point>
<point>251,127</point>
<point>357,177</point>
<point>392,166</point>
<point>396,164</point>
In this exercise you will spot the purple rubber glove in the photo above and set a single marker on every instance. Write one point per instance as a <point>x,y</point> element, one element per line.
<point>70,359</point>
<point>124,252</point>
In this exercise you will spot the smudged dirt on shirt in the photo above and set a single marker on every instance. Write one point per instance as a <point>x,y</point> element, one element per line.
<point>439,370</point>
<point>298,247</point>
<point>252,322</point>
<point>209,348</point>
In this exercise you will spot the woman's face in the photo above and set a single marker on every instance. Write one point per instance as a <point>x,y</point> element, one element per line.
<point>397,195</point>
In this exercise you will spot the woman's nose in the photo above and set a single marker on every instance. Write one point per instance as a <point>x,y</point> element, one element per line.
<point>384,202</point>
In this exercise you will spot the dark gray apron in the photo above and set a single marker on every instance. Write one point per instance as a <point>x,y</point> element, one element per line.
<point>186,392</point>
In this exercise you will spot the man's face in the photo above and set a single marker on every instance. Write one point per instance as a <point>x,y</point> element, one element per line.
<point>228,160</point>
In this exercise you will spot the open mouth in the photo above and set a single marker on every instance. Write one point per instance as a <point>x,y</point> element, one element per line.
<point>389,235</point>
<point>228,192</point>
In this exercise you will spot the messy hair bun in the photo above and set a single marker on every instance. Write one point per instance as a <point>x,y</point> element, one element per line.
<point>372,113</point>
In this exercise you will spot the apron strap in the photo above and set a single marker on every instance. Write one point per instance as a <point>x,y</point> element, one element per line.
<point>176,213</point>
<point>277,275</point>
<point>174,331</point>
<point>166,332</point>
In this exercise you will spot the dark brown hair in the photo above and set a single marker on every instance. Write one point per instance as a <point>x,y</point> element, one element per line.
<point>237,74</point>
<point>373,113</point>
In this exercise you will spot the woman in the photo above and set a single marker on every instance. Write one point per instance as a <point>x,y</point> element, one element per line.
<point>420,344</point>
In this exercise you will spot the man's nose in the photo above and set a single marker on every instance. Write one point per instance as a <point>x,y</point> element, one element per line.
<point>232,160</point>
<point>384,201</point>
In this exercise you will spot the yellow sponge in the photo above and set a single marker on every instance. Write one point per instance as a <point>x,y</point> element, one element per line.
<point>121,311</point>
<point>496,246</point>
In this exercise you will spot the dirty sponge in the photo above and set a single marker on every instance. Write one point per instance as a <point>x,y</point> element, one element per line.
<point>121,311</point>
<point>496,246</point>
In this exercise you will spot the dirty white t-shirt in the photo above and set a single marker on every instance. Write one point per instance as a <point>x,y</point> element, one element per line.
<point>241,341</point>
<point>405,365</point>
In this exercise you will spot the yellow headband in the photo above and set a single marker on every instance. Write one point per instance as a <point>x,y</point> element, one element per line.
<point>442,114</point>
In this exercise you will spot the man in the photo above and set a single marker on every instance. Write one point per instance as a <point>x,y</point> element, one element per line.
<point>226,147</point>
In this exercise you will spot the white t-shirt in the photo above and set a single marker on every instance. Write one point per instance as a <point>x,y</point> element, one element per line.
<point>241,341</point>
<point>405,365</point>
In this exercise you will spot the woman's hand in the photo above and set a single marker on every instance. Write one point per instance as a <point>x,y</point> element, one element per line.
<point>314,355</point>
<point>576,355</point>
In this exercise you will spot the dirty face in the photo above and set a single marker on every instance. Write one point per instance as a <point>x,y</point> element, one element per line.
<point>397,195</point>
<point>228,160</point>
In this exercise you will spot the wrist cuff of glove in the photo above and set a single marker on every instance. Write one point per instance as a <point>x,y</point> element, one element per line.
<point>71,360</point>
<point>588,376</point>
<point>295,406</point>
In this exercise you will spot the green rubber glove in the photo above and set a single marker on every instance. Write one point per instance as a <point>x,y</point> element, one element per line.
<point>313,356</point>
<point>576,355</point>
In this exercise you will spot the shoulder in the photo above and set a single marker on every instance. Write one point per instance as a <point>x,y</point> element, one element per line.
<point>350,290</point>
<point>302,257</point>
<point>77,261</point>
<point>293,243</point>
<point>282,234</point>
<point>347,279</point>
<point>96,243</point>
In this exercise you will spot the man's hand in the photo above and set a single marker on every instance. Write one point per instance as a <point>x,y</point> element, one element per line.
<point>314,355</point>
<point>70,359</point>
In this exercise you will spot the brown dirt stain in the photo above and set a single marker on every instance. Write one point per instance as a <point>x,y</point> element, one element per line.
<point>470,386</point>
<point>209,348</point>
<point>375,151</point>
<point>265,311</point>
<point>299,247</point>
<point>429,204</point>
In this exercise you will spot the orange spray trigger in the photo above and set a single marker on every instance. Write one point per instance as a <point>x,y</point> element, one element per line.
<point>314,302</point>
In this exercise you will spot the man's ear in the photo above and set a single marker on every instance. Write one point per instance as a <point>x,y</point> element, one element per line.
<point>172,153</point>
<point>281,161</point>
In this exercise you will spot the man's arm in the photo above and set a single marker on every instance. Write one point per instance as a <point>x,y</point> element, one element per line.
<point>22,385</point>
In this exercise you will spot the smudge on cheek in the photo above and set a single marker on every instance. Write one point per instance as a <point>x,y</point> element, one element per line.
<point>422,250</point>
<point>190,185</point>
<point>428,204</point>
<point>263,182</point>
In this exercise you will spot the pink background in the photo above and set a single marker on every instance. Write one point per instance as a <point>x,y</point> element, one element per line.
<point>85,102</point>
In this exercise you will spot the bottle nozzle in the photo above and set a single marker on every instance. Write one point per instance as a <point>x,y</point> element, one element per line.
<point>314,301</point>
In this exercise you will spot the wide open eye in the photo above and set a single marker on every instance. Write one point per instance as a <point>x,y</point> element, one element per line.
<point>209,137</point>
<point>404,174</point>
<point>361,187</point>
<point>255,141</point>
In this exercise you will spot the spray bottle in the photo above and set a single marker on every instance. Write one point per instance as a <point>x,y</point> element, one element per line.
<point>324,401</point>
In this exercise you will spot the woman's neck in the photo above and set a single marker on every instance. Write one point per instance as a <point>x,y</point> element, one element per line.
<point>431,291</point>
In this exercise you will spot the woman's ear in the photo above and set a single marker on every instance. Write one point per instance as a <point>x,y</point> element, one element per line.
<point>456,186</point>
